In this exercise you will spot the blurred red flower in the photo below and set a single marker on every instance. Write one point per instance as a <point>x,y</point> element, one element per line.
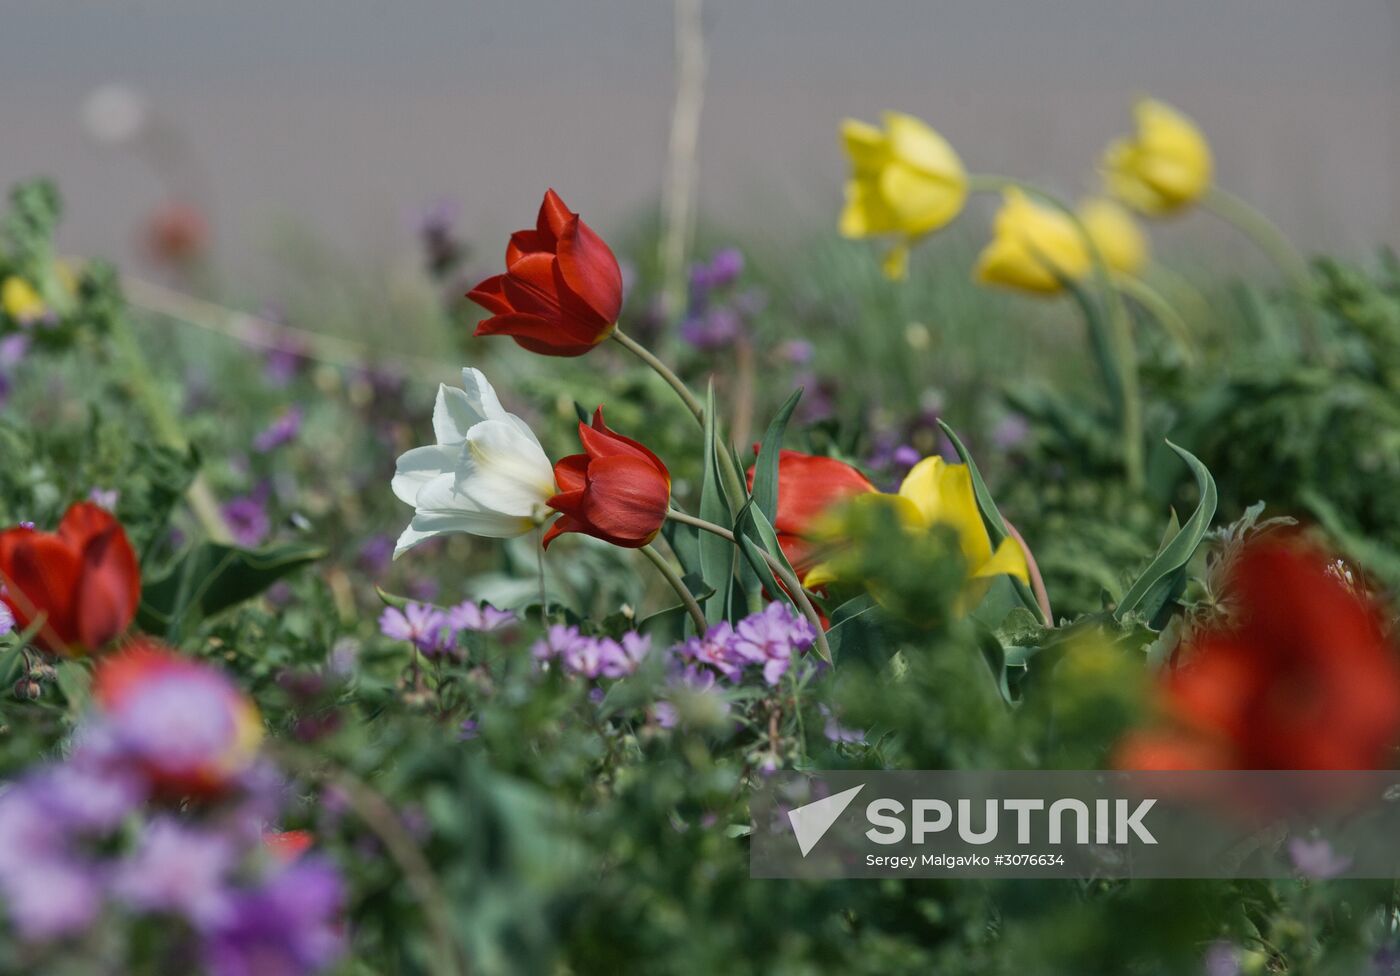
<point>176,234</point>
<point>618,491</point>
<point>808,486</point>
<point>562,291</point>
<point>83,579</point>
<point>1305,679</point>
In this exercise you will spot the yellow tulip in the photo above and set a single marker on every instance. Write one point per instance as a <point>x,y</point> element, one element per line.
<point>906,181</point>
<point>20,301</point>
<point>1164,166</point>
<point>936,493</point>
<point>1033,246</point>
<point>1119,240</point>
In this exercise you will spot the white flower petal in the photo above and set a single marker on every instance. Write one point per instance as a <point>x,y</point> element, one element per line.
<point>506,470</point>
<point>417,467</point>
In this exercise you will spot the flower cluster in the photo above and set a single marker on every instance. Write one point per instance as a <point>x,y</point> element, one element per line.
<point>717,313</point>
<point>434,631</point>
<point>159,814</point>
<point>592,657</point>
<point>769,640</point>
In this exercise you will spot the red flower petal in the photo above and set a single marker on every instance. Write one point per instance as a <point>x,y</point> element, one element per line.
<point>553,217</point>
<point>41,576</point>
<point>590,269</point>
<point>626,500</point>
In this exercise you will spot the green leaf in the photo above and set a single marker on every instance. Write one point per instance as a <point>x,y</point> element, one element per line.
<point>991,517</point>
<point>765,469</point>
<point>855,633</point>
<point>1165,577</point>
<point>717,556</point>
<point>75,681</point>
<point>212,577</point>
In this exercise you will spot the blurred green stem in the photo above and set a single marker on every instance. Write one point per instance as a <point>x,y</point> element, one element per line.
<point>677,584</point>
<point>732,483</point>
<point>1160,309</point>
<point>1115,335</point>
<point>784,575</point>
<point>1251,222</point>
<point>167,429</point>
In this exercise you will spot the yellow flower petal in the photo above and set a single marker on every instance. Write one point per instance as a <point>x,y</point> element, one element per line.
<point>1008,560</point>
<point>896,263</point>
<point>1164,166</point>
<point>942,494</point>
<point>1120,241</point>
<point>20,301</point>
<point>1032,246</point>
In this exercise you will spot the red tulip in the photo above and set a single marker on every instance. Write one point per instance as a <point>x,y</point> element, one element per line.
<point>83,579</point>
<point>618,491</point>
<point>176,234</point>
<point>562,290</point>
<point>286,846</point>
<point>808,486</point>
<point>1304,680</point>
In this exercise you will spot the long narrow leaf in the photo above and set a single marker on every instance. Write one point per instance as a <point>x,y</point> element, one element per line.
<point>1162,580</point>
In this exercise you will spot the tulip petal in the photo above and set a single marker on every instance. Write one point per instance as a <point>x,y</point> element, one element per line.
<point>490,295</point>
<point>601,441</point>
<point>504,471</point>
<point>571,473</point>
<point>42,573</point>
<point>1008,560</point>
<point>866,146</point>
<point>553,217</point>
<point>626,499</point>
<point>109,588</point>
<point>590,270</point>
<point>565,523</point>
<point>417,467</point>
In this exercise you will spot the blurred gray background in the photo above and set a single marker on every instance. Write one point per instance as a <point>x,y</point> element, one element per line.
<point>348,116</point>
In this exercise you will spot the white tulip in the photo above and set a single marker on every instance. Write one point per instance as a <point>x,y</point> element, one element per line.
<point>487,474</point>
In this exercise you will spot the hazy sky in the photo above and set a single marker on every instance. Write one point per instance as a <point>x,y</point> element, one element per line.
<point>347,115</point>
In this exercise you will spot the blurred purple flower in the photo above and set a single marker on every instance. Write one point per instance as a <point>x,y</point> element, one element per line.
<point>1221,959</point>
<point>1316,859</point>
<point>713,328</point>
<point>288,927</point>
<point>622,657</point>
<point>835,731</point>
<point>772,637</point>
<point>47,899</point>
<point>425,627</point>
<point>247,519</point>
<point>1011,432</point>
<point>376,554</point>
<point>797,352</point>
<point>180,870</point>
<point>7,619</point>
<point>480,617</point>
<point>281,431</point>
<point>105,498</point>
<point>716,649</point>
<point>468,730</point>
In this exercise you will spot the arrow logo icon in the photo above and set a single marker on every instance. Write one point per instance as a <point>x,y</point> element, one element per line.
<point>811,822</point>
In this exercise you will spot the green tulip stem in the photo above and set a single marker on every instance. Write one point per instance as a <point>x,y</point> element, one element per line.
<point>1160,309</point>
<point>732,482</point>
<point>1119,336</point>
<point>1250,221</point>
<point>677,584</point>
<point>784,575</point>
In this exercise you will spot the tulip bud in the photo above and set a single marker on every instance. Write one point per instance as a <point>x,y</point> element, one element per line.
<point>561,294</point>
<point>618,491</point>
<point>1164,166</point>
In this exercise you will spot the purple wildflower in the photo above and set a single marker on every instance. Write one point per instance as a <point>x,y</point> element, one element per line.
<point>480,617</point>
<point>798,352</point>
<point>771,637</point>
<point>7,619</point>
<point>555,642</point>
<point>281,431</point>
<point>623,657</point>
<point>716,649</point>
<point>287,927</point>
<point>179,869</point>
<point>1011,432</point>
<point>1316,858</point>
<point>1221,959</point>
<point>247,519</point>
<point>835,731</point>
<point>13,349</point>
<point>105,498</point>
<point>468,730</point>
<point>422,626</point>
<point>48,899</point>
<point>375,555</point>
